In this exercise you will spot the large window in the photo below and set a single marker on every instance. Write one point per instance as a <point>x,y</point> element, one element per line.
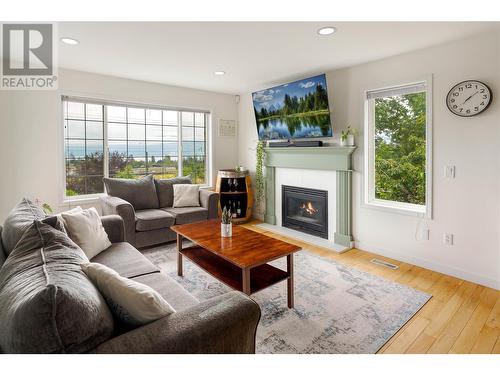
<point>398,157</point>
<point>128,142</point>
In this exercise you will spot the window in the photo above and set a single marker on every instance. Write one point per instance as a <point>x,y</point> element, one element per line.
<point>121,141</point>
<point>398,144</point>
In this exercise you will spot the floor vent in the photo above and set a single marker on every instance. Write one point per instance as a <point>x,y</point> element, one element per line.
<point>384,263</point>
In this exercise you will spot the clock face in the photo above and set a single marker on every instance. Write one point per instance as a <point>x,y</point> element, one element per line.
<point>468,98</point>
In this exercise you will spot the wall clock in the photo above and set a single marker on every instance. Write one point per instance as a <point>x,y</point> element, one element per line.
<point>469,98</point>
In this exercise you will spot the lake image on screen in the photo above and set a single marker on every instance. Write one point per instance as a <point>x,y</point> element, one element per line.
<point>294,110</point>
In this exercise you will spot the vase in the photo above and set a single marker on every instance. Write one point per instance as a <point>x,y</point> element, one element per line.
<point>226,230</point>
<point>350,140</point>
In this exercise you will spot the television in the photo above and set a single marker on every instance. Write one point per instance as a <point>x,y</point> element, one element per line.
<point>294,110</point>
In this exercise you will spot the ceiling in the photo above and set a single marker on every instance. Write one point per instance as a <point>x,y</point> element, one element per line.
<point>254,55</point>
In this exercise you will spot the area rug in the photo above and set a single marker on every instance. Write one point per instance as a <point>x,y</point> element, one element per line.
<point>338,309</point>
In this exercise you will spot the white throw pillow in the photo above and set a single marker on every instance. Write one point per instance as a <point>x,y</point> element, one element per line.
<point>131,302</point>
<point>74,210</point>
<point>86,230</point>
<point>186,195</point>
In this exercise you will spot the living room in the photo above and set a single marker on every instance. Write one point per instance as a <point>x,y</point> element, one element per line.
<point>181,190</point>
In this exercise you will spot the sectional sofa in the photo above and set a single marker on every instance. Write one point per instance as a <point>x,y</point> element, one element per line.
<point>145,206</point>
<point>48,305</point>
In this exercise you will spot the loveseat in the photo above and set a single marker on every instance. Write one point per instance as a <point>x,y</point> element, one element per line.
<point>145,205</point>
<point>48,305</point>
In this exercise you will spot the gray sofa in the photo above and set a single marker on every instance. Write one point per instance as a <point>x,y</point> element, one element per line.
<point>145,205</point>
<point>48,305</point>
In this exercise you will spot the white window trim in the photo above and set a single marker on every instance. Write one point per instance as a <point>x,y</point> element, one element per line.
<point>368,185</point>
<point>64,200</point>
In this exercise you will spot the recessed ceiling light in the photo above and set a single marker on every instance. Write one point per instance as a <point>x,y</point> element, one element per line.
<point>70,41</point>
<point>327,30</point>
<point>219,73</point>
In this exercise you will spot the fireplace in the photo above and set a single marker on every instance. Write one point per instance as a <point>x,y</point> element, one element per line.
<point>305,210</point>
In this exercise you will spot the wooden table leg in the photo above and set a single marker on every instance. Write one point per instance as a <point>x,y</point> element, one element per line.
<point>245,273</point>
<point>289,268</point>
<point>179,255</point>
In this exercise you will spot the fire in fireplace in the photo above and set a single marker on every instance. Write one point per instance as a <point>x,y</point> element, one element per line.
<point>305,210</point>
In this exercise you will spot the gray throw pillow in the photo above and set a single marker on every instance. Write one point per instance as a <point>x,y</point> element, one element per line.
<point>55,222</point>
<point>47,304</point>
<point>18,220</point>
<point>165,189</point>
<point>140,193</point>
<point>2,254</point>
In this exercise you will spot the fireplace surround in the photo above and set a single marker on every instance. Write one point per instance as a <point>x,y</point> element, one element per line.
<point>305,210</point>
<point>331,158</point>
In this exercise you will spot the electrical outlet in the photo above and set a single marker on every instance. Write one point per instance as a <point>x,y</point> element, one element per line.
<point>448,239</point>
<point>449,171</point>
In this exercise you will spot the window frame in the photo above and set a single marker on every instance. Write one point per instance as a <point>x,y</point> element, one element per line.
<point>89,198</point>
<point>368,185</point>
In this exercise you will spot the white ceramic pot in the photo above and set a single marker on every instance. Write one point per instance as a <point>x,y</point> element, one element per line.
<point>350,140</point>
<point>226,230</point>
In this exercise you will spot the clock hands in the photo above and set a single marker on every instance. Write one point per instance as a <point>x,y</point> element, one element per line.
<point>466,100</point>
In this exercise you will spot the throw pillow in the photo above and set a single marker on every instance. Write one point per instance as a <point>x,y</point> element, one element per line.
<point>85,228</point>
<point>140,193</point>
<point>18,220</point>
<point>186,195</point>
<point>57,221</point>
<point>48,305</point>
<point>2,253</point>
<point>165,189</point>
<point>71,211</point>
<point>131,302</point>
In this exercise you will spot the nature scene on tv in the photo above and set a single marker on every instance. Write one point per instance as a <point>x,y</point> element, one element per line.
<point>293,110</point>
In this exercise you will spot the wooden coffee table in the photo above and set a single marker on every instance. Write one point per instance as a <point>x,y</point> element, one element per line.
<point>239,261</point>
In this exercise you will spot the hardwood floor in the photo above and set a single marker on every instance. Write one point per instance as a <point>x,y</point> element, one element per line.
<point>461,317</point>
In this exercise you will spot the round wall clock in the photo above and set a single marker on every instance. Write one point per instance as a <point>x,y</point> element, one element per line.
<point>469,98</point>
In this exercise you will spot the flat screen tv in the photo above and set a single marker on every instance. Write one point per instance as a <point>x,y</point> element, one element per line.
<point>294,110</point>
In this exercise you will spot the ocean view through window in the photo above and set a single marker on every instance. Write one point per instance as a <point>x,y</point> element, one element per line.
<point>127,141</point>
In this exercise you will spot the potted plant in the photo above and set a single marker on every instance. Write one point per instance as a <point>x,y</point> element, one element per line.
<point>226,227</point>
<point>347,136</point>
<point>260,155</point>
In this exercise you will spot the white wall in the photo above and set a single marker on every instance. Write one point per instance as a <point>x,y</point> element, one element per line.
<point>30,133</point>
<point>467,206</point>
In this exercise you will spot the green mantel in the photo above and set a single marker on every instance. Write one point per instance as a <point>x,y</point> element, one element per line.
<point>322,158</point>
<point>338,159</point>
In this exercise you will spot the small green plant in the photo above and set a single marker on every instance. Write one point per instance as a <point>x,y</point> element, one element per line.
<point>259,171</point>
<point>226,216</point>
<point>47,209</point>
<point>347,131</point>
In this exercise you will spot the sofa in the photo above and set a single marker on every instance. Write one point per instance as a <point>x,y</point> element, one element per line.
<point>48,305</point>
<point>145,205</point>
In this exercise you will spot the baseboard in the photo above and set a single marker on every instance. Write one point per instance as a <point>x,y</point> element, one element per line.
<point>433,266</point>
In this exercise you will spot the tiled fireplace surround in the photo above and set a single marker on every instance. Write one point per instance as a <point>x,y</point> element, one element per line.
<point>324,168</point>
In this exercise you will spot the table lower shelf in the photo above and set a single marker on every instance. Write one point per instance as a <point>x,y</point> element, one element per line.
<point>261,276</point>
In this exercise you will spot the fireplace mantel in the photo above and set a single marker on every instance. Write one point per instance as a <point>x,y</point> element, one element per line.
<point>337,159</point>
<point>320,158</point>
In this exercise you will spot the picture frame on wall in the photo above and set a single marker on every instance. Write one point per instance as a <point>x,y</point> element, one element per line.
<point>226,128</point>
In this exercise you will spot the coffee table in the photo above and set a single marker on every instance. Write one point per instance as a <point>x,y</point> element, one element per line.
<point>239,261</point>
